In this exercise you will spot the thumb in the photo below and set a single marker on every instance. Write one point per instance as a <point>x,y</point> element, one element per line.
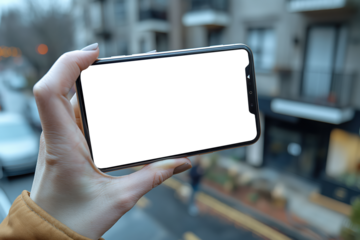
<point>65,71</point>
<point>152,175</point>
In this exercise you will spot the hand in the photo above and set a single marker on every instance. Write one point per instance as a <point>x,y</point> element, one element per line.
<point>67,184</point>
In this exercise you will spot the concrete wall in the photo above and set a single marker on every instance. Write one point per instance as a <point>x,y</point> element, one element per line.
<point>177,30</point>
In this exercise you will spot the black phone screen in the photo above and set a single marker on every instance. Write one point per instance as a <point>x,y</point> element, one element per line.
<point>154,108</point>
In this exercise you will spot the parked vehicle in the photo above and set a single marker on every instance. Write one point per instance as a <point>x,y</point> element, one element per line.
<point>18,145</point>
<point>5,203</point>
<point>14,80</point>
<point>32,114</point>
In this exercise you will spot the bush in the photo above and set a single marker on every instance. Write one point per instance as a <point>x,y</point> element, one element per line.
<point>351,230</point>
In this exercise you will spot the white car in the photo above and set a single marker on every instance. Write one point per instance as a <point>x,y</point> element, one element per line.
<point>18,145</point>
<point>32,114</point>
<point>13,79</point>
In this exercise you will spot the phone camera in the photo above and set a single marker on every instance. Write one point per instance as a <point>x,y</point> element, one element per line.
<point>251,105</point>
<point>250,92</point>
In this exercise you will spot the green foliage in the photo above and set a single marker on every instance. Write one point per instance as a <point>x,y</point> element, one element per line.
<point>253,197</point>
<point>216,174</point>
<point>352,230</point>
<point>355,213</point>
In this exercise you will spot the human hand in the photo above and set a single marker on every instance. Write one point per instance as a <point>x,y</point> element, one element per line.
<point>67,184</point>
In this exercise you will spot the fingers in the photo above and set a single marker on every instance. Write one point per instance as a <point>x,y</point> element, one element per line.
<point>152,175</point>
<point>50,92</point>
<point>75,104</point>
<point>63,74</point>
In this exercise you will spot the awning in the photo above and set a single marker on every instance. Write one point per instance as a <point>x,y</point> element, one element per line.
<point>311,111</point>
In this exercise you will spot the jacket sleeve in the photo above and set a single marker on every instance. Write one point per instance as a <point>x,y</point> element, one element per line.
<point>26,220</point>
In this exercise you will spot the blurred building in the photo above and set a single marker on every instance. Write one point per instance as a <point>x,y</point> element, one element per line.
<point>306,52</point>
<point>126,26</point>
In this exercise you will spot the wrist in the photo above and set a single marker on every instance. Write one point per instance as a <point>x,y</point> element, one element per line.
<point>54,225</point>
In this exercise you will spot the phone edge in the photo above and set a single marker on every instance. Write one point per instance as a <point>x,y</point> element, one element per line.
<point>170,54</point>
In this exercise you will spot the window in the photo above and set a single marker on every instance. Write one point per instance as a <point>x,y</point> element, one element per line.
<point>142,46</point>
<point>95,14</point>
<point>152,9</point>
<point>220,5</point>
<point>215,37</point>
<point>298,148</point>
<point>324,59</point>
<point>122,48</point>
<point>120,11</point>
<point>262,43</point>
<point>161,40</point>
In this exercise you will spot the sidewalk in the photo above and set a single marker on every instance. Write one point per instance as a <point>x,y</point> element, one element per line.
<point>256,214</point>
<point>297,193</point>
<point>162,210</point>
<point>160,214</point>
<point>136,224</point>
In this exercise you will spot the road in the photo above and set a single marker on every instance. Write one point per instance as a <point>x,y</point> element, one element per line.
<point>158,216</point>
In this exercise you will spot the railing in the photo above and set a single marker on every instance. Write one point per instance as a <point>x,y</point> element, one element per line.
<point>104,34</point>
<point>312,5</point>
<point>152,14</point>
<point>218,5</point>
<point>322,88</point>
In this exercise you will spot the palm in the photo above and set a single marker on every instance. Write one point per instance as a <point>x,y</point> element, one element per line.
<point>67,184</point>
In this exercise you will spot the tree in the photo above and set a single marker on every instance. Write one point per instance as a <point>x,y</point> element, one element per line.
<point>35,24</point>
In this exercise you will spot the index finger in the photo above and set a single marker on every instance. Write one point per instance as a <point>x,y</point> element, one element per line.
<point>56,112</point>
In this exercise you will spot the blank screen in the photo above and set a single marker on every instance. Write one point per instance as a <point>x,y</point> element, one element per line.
<point>148,109</point>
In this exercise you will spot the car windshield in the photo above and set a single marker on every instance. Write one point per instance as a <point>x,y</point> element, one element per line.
<point>13,131</point>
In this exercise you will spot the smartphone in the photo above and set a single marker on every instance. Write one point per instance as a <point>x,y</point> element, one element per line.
<point>144,108</point>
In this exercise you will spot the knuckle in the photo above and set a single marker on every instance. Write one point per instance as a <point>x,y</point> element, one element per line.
<point>158,179</point>
<point>66,57</point>
<point>37,90</point>
<point>41,90</point>
<point>51,159</point>
<point>71,61</point>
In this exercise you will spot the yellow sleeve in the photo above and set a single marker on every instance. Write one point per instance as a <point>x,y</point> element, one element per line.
<point>26,220</point>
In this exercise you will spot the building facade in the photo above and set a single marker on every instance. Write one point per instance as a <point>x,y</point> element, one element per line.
<point>306,55</point>
<point>126,27</point>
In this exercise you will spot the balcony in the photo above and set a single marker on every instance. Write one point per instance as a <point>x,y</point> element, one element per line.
<point>318,5</point>
<point>152,14</point>
<point>218,5</point>
<point>151,20</point>
<point>318,96</point>
<point>104,34</point>
<point>207,13</point>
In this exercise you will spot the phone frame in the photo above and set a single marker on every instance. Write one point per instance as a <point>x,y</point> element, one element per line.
<point>251,86</point>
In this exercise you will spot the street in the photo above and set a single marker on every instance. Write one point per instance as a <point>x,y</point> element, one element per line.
<point>159,215</point>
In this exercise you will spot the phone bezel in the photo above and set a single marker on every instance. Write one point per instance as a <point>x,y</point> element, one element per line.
<point>137,57</point>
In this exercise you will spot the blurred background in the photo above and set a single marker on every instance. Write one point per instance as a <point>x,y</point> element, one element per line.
<point>301,180</point>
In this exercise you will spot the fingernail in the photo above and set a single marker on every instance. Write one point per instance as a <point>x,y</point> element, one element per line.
<point>182,168</point>
<point>152,51</point>
<point>91,47</point>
